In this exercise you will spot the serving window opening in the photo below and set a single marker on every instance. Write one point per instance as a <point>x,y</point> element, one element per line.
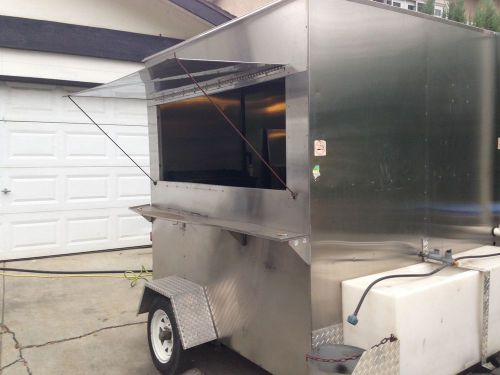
<point>198,145</point>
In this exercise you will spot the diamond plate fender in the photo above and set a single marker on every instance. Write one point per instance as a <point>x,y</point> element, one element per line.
<point>190,306</point>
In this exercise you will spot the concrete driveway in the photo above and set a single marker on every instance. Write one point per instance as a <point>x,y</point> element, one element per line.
<point>87,326</point>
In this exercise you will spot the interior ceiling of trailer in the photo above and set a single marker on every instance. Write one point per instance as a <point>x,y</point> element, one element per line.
<point>168,76</point>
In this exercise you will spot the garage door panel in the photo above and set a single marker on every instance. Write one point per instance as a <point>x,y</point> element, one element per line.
<point>4,235</point>
<point>86,146</point>
<point>27,190</point>
<point>49,103</point>
<point>90,188</point>
<point>26,100</point>
<point>107,111</point>
<point>97,108</point>
<point>89,230</point>
<point>135,144</point>
<point>90,145</point>
<point>133,187</point>
<point>32,189</point>
<point>132,227</point>
<point>3,195</point>
<point>41,234</point>
<point>130,111</point>
<point>27,145</point>
<point>3,140</point>
<point>67,145</point>
<point>36,234</point>
<point>60,189</point>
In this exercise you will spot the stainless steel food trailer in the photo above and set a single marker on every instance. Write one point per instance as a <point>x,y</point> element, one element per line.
<point>339,139</point>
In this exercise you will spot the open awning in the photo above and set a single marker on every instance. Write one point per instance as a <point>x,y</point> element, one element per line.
<point>169,79</point>
<point>128,87</point>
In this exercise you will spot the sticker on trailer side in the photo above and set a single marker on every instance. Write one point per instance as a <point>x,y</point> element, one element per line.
<point>315,172</point>
<point>319,147</point>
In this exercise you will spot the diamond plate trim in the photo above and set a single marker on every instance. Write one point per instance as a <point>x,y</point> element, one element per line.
<point>381,360</point>
<point>191,309</point>
<point>329,335</point>
<point>486,313</point>
<point>485,306</point>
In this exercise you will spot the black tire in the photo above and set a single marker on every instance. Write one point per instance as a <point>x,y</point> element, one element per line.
<point>176,362</point>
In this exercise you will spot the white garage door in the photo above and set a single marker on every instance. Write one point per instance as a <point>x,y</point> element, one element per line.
<point>66,187</point>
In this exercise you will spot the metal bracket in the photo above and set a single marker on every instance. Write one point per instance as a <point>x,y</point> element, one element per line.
<point>435,254</point>
<point>242,238</point>
<point>425,246</point>
<point>303,248</point>
<point>190,305</point>
<point>138,210</point>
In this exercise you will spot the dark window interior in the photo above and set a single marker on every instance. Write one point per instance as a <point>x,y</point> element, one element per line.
<point>198,145</point>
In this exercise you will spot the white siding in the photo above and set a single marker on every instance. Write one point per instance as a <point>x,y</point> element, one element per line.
<point>20,63</point>
<point>154,17</point>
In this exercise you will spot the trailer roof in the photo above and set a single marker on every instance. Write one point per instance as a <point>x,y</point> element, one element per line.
<point>171,78</point>
<point>277,3</point>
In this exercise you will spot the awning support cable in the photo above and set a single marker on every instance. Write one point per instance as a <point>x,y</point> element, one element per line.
<point>111,139</point>
<point>219,109</point>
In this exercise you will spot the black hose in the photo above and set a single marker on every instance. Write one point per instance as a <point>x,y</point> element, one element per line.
<point>69,272</point>
<point>477,256</point>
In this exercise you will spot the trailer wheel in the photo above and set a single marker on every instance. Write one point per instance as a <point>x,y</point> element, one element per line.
<point>163,337</point>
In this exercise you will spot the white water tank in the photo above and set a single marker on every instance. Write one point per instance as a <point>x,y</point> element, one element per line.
<point>438,319</point>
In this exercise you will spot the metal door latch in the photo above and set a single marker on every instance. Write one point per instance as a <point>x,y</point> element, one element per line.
<point>6,191</point>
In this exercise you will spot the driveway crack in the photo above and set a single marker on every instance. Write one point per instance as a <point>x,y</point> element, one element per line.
<point>5,330</point>
<point>81,336</point>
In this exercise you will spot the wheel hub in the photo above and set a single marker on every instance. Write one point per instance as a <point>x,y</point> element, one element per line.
<point>165,335</point>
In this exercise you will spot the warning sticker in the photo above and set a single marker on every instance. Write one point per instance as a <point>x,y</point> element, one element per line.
<point>319,147</point>
<point>498,144</point>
